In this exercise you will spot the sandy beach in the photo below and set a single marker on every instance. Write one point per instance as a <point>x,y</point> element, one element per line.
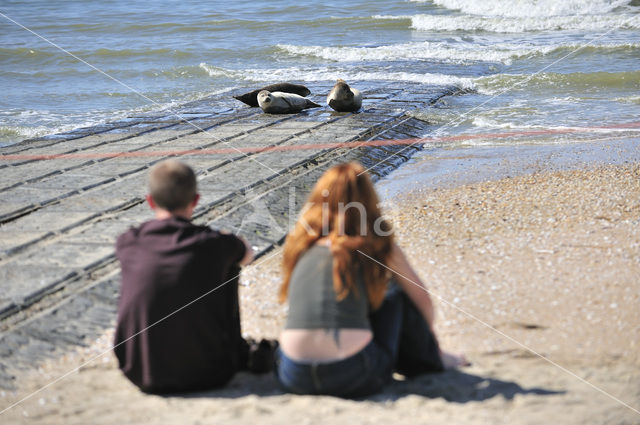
<point>534,277</point>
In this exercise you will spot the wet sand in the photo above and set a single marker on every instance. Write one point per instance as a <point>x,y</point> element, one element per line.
<point>534,277</point>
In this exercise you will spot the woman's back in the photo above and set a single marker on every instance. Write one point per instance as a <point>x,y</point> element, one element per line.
<point>313,302</point>
<point>319,326</point>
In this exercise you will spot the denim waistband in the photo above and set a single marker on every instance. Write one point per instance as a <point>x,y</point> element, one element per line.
<point>359,374</point>
<point>328,366</point>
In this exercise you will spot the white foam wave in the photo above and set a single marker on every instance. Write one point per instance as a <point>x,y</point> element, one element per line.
<point>486,123</point>
<point>29,124</point>
<point>532,8</point>
<point>628,99</point>
<point>523,24</point>
<point>11,134</point>
<point>327,74</point>
<point>216,71</point>
<point>392,17</point>
<point>446,51</point>
<point>441,51</point>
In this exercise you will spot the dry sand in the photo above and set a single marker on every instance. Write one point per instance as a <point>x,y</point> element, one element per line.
<point>546,263</point>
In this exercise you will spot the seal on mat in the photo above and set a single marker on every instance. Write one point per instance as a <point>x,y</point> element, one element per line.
<point>283,103</point>
<point>343,98</point>
<point>251,98</point>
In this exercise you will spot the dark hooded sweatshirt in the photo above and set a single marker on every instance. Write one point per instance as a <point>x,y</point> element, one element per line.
<point>178,326</point>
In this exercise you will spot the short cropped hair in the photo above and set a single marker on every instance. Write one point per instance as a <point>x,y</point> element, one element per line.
<point>172,185</point>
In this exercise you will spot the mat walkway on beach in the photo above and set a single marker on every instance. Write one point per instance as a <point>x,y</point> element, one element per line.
<point>60,216</point>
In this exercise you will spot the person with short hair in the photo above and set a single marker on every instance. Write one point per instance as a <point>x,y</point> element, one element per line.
<point>357,310</point>
<point>178,324</point>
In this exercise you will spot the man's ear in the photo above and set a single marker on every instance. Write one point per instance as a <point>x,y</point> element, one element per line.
<point>151,202</point>
<point>195,200</point>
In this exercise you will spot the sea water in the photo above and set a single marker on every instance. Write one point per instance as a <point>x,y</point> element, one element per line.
<point>523,64</point>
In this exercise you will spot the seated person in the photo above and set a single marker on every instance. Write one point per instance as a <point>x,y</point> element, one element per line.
<point>178,326</point>
<point>348,328</point>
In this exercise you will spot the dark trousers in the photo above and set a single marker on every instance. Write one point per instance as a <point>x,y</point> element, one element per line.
<point>402,342</point>
<point>238,345</point>
<point>169,356</point>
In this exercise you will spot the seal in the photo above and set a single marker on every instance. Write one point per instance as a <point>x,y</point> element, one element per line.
<point>343,98</point>
<point>251,98</point>
<point>278,102</point>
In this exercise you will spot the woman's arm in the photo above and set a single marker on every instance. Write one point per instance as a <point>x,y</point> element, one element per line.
<point>417,292</point>
<point>410,283</point>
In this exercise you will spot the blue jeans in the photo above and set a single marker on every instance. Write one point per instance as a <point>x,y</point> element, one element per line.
<point>402,342</point>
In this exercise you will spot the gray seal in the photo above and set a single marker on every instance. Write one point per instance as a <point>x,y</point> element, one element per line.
<point>343,98</point>
<point>283,103</point>
<point>251,98</point>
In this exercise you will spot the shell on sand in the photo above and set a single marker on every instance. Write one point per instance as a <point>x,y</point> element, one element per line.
<point>283,103</point>
<point>343,98</point>
<point>251,98</point>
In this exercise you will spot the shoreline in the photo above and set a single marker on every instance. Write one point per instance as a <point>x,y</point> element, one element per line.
<point>480,245</point>
<point>449,166</point>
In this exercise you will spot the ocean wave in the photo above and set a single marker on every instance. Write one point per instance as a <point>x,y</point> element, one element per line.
<point>11,134</point>
<point>216,71</point>
<point>177,72</point>
<point>122,53</point>
<point>486,123</point>
<point>22,124</point>
<point>136,28</point>
<point>32,60</point>
<point>328,74</point>
<point>523,24</point>
<point>628,99</point>
<point>18,125</point>
<point>583,82</point>
<point>555,131</point>
<point>25,52</point>
<point>392,17</point>
<point>459,52</point>
<point>532,8</point>
<point>441,51</point>
<point>451,123</point>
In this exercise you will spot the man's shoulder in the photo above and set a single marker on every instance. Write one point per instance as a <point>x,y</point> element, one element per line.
<point>136,233</point>
<point>203,234</point>
<point>223,241</point>
<point>217,235</point>
<point>188,231</point>
<point>128,236</point>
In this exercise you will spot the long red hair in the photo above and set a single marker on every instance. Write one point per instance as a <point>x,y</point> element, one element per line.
<point>343,206</point>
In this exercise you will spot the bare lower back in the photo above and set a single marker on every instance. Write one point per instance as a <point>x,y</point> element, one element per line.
<point>323,345</point>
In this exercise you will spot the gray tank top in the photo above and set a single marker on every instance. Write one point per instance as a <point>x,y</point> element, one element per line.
<point>312,299</point>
